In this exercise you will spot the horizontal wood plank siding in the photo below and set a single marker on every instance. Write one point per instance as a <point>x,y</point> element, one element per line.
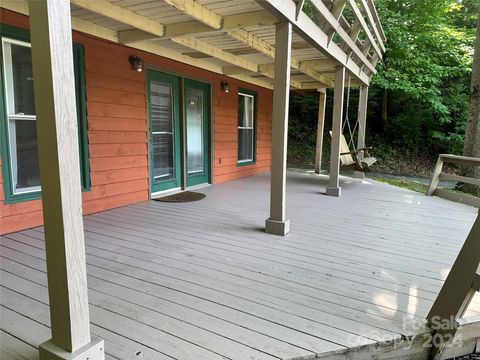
<point>117,128</point>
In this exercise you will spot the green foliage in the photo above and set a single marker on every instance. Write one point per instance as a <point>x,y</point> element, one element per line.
<point>426,70</point>
<point>423,82</point>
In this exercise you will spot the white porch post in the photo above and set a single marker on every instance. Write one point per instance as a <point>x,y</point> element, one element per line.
<point>320,126</point>
<point>333,188</point>
<point>277,224</point>
<point>52,57</point>
<point>362,118</point>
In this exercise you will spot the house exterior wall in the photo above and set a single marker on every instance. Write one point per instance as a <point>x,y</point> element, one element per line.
<point>117,128</point>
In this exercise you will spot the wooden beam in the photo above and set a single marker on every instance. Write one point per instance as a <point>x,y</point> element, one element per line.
<point>78,24</point>
<point>364,27</point>
<point>254,42</point>
<point>299,6</point>
<point>198,12</point>
<point>333,188</point>
<point>277,222</point>
<point>336,10</point>
<point>322,101</point>
<point>206,48</point>
<point>157,49</point>
<point>307,70</point>
<point>234,70</point>
<point>366,8</point>
<point>267,49</point>
<point>306,28</point>
<point>118,13</point>
<point>218,53</point>
<point>457,291</point>
<point>362,119</point>
<point>57,136</point>
<point>230,22</point>
<point>344,37</point>
<point>314,74</point>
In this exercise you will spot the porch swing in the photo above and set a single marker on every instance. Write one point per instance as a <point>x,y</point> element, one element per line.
<point>353,159</point>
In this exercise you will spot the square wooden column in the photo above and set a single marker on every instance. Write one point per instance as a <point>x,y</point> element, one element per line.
<point>322,99</point>
<point>362,119</point>
<point>52,59</point>
<point>333,188</point>
<point>277,223</point>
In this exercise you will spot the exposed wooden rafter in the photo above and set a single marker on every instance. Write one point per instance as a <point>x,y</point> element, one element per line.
<point>198,12</point>
<point>309,30</point>
<point>123,15</point>
<point>230,22</point>
<point>269,50</point>
<point>87,27</point>
<point>206,48</point>
<point>370,39</point>
<point>218,53</point>
<point>365,5</point>
<point>344,37</point>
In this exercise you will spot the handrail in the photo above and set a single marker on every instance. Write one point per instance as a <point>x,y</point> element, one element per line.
<point>438,175</point>
<point>457,292</point>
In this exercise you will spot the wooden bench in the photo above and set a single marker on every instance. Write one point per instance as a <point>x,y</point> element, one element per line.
<point>356,159</point>
<point>438,175</point>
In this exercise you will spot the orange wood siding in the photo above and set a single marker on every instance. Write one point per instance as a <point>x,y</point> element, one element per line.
<point>117,128</point>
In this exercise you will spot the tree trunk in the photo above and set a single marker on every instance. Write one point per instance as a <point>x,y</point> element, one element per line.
<point>385,110</point>
<point>472,130</point>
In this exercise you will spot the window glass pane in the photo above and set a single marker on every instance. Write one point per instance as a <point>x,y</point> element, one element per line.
<point>161,114</point>
<point>248,111</point>
<point>21,80</point>
<point>245,111</point>
<point>194,105</point>
<point>27,169</point>
<point>245,144</point>
<point>161,107</point>
<point>163,165</point>
<point>241,110</point>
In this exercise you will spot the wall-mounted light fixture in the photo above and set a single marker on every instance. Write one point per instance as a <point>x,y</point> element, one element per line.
<point>225,86</point>
<point>136,62</point>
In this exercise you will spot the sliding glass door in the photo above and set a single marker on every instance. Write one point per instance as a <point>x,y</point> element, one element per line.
<point>176,160</point>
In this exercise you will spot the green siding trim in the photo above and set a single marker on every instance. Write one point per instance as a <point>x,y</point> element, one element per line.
<point>81,97</point>
<point>255,113</point>
<point>79,67</point>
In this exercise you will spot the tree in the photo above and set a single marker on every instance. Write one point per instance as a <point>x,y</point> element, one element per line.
<point>472,129</point>
<point>424,77</point>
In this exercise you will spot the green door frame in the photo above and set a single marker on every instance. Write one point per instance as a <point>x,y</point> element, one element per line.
<point>174,82</point>
<point>203,178</point>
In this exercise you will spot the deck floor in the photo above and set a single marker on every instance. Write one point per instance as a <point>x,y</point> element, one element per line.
<point>202,280</point>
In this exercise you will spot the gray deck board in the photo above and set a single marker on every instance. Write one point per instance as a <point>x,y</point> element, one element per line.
<point>203,281</point>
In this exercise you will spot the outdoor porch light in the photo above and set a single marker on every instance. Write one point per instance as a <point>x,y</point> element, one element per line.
<point>136,63</point>
<point>225,86</point>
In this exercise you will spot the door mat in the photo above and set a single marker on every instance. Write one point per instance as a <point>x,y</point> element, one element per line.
<point>185,196</point>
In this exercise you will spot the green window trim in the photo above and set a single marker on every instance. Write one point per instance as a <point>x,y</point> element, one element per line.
<point>79,69</point>
<point>254,140</point>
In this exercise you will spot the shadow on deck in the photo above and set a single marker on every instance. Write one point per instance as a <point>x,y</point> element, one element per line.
<point>202,280</point>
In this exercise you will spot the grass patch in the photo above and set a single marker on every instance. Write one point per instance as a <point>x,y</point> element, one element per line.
<point>406,184</point>
<point>417,186</point>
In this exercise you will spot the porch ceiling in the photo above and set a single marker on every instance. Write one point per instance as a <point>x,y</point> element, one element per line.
<point>237,37</point>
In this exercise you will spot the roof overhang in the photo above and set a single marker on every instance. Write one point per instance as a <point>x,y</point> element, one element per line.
<point>236,38</point>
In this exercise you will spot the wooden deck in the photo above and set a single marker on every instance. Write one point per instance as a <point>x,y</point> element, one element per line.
<point>202,280</point>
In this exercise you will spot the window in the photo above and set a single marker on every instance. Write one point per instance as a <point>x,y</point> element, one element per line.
<point>246,127</point>
<point>19,148</point>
